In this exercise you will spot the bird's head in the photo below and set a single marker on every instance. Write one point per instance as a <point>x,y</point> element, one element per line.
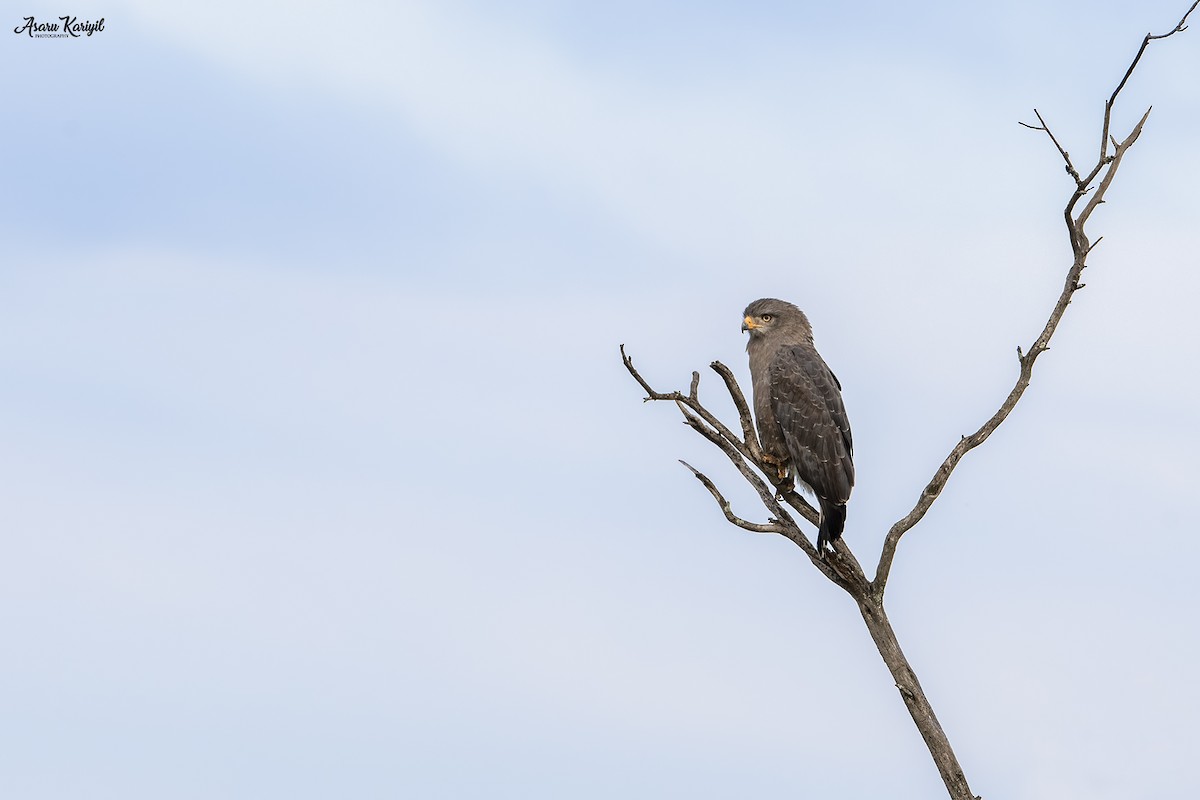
<point>770,317</point>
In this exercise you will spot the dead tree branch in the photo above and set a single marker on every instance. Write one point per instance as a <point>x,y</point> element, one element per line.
<point>844,571</point>
<point>770,527</point>
<point>1180,27</point>
<point>1105,169</point>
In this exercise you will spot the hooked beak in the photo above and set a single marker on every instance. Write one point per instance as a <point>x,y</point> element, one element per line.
<point>748,325</point>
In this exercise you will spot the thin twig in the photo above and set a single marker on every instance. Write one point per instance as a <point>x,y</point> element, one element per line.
<point>691,401</point>
<point>755,480</point>
<point>749,433</point>
<point>1181,26</point>
<point>770,527</point>
<point>1061,150</point>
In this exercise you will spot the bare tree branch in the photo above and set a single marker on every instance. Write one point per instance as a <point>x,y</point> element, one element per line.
<point>783,489</point>
<point>1105,169</point>
<point>770,527</point>
<point>693,403</point>
<point>802,506</point>
<point>844,570</point>
<point>1066,156</point>
<point>743,409</point>
<point>1114,162</point>
<point>1181,26</point>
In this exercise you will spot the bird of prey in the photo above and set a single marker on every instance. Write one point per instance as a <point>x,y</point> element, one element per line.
<point>802,423</point>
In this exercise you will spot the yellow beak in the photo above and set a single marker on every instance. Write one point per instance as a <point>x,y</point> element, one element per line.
<point>748,324</point>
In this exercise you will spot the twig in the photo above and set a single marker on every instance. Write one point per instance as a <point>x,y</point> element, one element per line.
<point>692,401</point>
<point>1066,156</point>
<point>1181,26</point>
<point>770,527</point>
<point>739,402</point>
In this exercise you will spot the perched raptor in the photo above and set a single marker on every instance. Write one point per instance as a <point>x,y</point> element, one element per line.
<point>798,405</point>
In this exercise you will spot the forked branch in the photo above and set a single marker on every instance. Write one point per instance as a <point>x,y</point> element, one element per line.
<point>1179,28</point>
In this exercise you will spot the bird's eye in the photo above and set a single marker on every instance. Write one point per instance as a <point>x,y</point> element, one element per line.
<point>765,317</point>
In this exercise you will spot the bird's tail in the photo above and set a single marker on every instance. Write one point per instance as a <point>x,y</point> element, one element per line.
<point>833,520</point>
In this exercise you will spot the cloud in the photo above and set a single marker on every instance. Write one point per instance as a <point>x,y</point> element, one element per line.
<point>729,168</point>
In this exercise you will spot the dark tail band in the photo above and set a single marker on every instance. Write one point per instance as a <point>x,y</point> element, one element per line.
<point>833,520</point>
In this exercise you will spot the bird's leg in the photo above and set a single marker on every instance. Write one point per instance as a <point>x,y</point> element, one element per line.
<point>783,480</point>
<point>780,464</point>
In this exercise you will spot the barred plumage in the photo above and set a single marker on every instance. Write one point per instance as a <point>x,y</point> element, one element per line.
<point>798,406</point>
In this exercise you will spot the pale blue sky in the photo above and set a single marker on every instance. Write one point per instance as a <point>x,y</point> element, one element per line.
<point>323,478</point>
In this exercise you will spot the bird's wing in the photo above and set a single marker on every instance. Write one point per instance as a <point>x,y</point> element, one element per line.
<point>807,401</point>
